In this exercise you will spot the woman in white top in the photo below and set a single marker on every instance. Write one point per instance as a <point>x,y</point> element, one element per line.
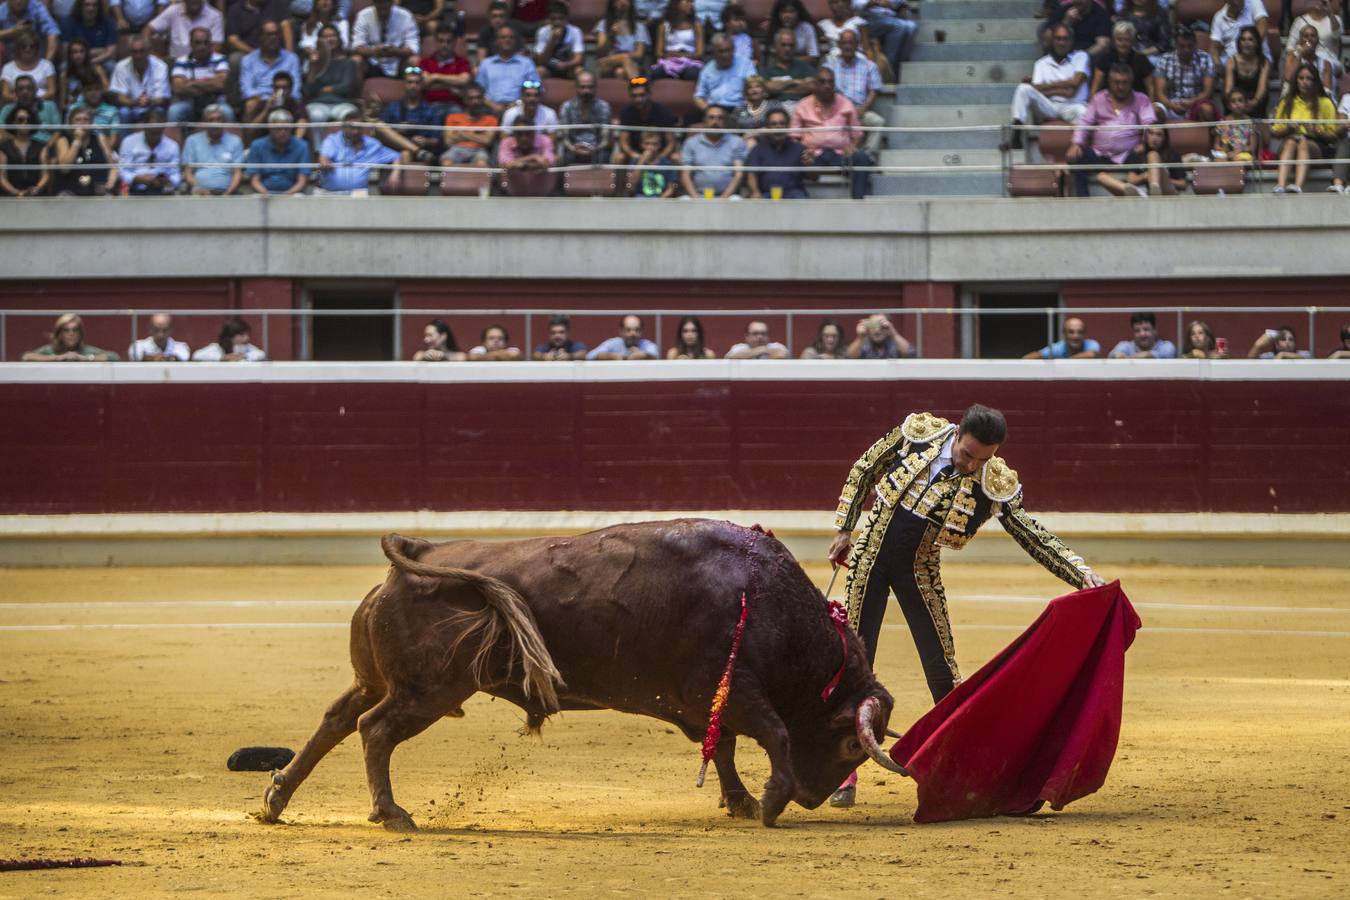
<point>233,345</point>
<point>841,18</point>
<point>28,62</point>
<point>792,15</point>
<point>679,43</point>
<point>621,47</point>
<point>1328,29</point>
<point>325,12</point>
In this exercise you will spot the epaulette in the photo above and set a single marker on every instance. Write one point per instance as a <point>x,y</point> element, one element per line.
<point>998,481</point>
<point>922,427</point>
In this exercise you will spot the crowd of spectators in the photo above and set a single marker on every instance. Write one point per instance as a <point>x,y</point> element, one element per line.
<point>266,85</point>
<point>1133,64</point>
<point>1200,343</point>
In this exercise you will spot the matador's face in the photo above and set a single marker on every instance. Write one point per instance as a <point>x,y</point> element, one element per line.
<point>968,454</point>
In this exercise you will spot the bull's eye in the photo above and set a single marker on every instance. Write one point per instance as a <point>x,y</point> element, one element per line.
<point>850,746</point>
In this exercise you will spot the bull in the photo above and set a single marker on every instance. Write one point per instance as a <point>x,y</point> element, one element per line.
<point>637,618</point>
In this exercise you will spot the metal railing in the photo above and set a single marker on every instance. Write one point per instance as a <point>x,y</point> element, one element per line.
<point>920,315</point>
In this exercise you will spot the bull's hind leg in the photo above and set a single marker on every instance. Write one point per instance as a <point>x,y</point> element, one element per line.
<point>339,721</point>
<point>394,720</point>
<point>738,801</point>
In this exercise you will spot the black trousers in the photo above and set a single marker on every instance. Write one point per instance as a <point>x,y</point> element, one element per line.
<point>893,570</point>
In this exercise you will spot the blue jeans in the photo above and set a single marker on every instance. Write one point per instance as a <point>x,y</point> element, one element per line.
<point>860,182</point>
<point>895,34</point>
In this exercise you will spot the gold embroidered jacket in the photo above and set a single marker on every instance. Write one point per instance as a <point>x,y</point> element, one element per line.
<point>897,467</point>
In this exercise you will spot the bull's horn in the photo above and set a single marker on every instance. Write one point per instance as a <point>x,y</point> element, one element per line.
<point>867,710</point>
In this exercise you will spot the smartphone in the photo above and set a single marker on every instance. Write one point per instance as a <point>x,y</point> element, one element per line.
<point>1221,344</point>
<point>1272,333</point>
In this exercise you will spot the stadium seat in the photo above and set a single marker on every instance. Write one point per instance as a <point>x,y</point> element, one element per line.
<point>475,16</point>
<point>466,182</point>
<point>1212,179</point>
<point>1301,7</point>
<point>1054,142</point>
<point>585,13</point>
<point>678,95</point>
<point>613,91</point>
<point>1192,11</point>
<point>819,9</point>
<point>428,46</point>
<point>1190,139</point>
<point>1028,182</point>
<point>382,90</point>
<point>757,12</point>
<point>590,183</point>
<point>558,91</point>
<point>530,182</point>
<point>407,182</point>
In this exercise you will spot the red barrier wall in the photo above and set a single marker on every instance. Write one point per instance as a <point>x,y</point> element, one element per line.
<point>1174,446</point>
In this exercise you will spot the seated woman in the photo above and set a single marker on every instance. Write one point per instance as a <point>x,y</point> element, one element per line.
<point>1200,343</point>
<point>829,342</point>
<point>1311,139</point>
<point>84,159</point>
<point>689,341</point>
<point>679,43</point>
<point>621,41</point>
<point>77,69</point>
<point>22,150</point>
<point>793,15</point>
<point>1309,52</point>
<point>234,345</point>
<point>438,344</point>
<point>1164,175</point>
<point>330,86</point>
<point>1248,71</point>
<point>749,117</point>
<point>68,345</point>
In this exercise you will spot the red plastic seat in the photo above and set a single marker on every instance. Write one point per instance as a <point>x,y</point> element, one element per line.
<point>613,91</point>
<point>678,95</point>
<point>585,13</point>
<point>590,183</point>
<point>465,182</point>
<point>1212,179</point>
<point>530,182</point>
<point>1190,138</point>
<point>1032,182</point>
<point>1054,142</point>
<point>409,181</point>
<point>383,90</point>
<point>558,91</point>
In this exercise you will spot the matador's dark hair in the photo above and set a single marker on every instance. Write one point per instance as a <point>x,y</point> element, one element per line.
<point>984,424</point>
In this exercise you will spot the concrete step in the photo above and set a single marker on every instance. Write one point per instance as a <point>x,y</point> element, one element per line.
<point>971,30</point>
<point>1008,71</point>
<point>955,141</point>
<point>939,184</point>
<point>951,96</point>
<point>982,9</point>
<point>966,51</point>
<point>928,116</point>
<point>937,159</point>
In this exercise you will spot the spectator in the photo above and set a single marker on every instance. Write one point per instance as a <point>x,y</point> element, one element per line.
<point>21,149</point>
<point>198,80</point>
<point>1277,343</point>
<point>1314,138</point>
<point>498,17</point>
<point>504,74</point>
<point>149,160</point>
<point>1074,343</point>
<point>793,16</point>
<point>774,163</point>
<point>858,79</point>
<point>212,157</point>
<point>133,15</point>
<point>525,150</point>
<point>589,138</point>
<point>179,19</point>
<point>829,342</point>
<point>279,147</point>
<point>84,159</point>
<point>1341,170</point>
<point>495,347</point>
<point>27,62</point>
<point>1145,344</point>
<point>560,345</point>
<point>140,82</point>
<point>1231,18</point>
<point>160,345</point>
<point>1122,51</point>
<point>258,71</point>
<point>621,41</point>
<point>91,23</point>
<point>94,98</point>
<point>1200,342</point>
<point>235,344</point>
<point>68,345</point>
<point>838,146</point>
<point>651,177</point>
<point>46,113</point>
<point>75,70</point>
<point>629,344</point>
<point>1058,88</point>
<point>283,96</point>
<point>438,344</point>
<point>749,118</point>
<point>722,81</point>
<point>559,46</point>
<point>889,24</point>
<point>1089,22</point>
<point>841,19</point>
<point>1128,112</point>
<point>1234,136</point>
<point>689,342</point>
<point>415,109</point>
<point>386,37</point>
<point>323,12</point>
<point>1162,176</point>
<point>245,22</point>
<point>787,76</point>
<point>1343,351</point>
<point>447,73</point>
<point>1329,28</point>
<point>530,110</point>
<point>1248,71</point>
<point>877,338</point>
<point>679,43</point>
<point>1183,81</point>
<point>757,344</point>
<point>330,85</point>
<point>347,158</point>
<point>1152,26</point>
<point>736,26</point>
<point>721,154</point>
<point>18,17</point>
<point>642,113</point>
<point>1310,53</point>
<point>470,145</point>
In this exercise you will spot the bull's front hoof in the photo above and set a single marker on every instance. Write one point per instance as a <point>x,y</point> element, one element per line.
<point>395,818</point>
<point>404,824</point>
<point>743,807</point>
<point>274,801</point>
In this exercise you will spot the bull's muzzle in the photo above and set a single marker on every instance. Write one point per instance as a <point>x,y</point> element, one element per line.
<point>868,710</point>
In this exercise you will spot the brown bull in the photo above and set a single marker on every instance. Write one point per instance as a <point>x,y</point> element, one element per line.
<point>637,618</point>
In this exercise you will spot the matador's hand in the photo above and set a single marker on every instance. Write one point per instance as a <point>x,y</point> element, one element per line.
<point>843,542</point>
<point>1094,580</point>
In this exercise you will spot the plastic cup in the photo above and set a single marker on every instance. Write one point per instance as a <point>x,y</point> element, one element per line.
<point>707,193</point>
<point>776,192</point>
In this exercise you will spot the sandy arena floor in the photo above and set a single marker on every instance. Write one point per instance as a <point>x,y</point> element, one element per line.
<point>122,692</point>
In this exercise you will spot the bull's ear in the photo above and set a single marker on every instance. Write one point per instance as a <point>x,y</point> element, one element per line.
<point>845,718</point>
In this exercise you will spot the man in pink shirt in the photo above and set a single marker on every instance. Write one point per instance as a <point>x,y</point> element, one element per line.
<point>1120,105</point>
<point>840,146</point>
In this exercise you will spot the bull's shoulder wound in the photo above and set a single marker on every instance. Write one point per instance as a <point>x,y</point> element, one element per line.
<point>922,427</point>
<point>999,480</point>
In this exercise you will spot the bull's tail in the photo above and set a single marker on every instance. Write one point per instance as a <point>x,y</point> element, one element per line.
<point>505,614</point>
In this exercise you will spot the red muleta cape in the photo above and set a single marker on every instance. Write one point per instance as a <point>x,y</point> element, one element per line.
<point>1039,722</point>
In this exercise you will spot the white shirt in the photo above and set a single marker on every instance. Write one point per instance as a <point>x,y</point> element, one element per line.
<point>402,32</point>
<point>831,31</point>
<point>743,347</point>
<point>544,116</point>
<point>944,458</point>
<point>1223,30</point>
<point>154,85</point>
<point>212,353</point>
<point>480,350</point>
<point>572,38</point>
<point>147,347</point>
<point>39,73</point>
<point>310,40</point>
<point>1047,71</point>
